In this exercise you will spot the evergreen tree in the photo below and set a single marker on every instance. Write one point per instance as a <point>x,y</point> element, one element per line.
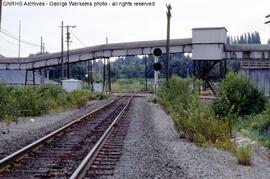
<point>257,38</point>
<point>242,40</point>
<point>253,38</point>
<point>245,38</point>
<point>231,40</point>
<point>228,40</point>
<point>249,38</point>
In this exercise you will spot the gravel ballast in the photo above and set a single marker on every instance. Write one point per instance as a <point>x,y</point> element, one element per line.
<point>153,149</point>
<point>27,130</point>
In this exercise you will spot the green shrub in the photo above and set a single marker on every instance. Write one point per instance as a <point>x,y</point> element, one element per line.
<point>30,101</point>
<point>200,126</point>
<point>35,101</point>
<point>8,104</point>
<point>79,98</point>
<point>177,93</point>
<point>243,155</point>
<point>195,120</point>
<point>237,95</point>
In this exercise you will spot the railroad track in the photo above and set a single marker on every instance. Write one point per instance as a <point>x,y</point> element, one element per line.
<point>65,152</point>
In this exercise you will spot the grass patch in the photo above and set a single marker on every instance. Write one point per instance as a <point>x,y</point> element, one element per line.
<point>130,85</point>
<point>255,127</point>
<point>36,101</point>
<point>243,155</point>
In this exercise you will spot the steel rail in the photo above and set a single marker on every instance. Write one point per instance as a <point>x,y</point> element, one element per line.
<point>5,162</point>
<point>88,160</point>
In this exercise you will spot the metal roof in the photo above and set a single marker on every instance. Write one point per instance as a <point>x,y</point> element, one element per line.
<point>209,28</point>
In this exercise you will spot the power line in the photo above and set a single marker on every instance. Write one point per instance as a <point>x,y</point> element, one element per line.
<point>267,17</point>
<point>8,41</point>
<point>13,43</point>
<point>17,39</point>
<point>78,39</point>
<point>14,37</point>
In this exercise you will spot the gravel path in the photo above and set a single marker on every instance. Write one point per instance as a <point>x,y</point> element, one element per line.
<point>153,150</point>
<point>27,130</point>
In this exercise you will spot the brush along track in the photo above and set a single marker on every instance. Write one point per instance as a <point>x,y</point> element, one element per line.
<point>59,156</point>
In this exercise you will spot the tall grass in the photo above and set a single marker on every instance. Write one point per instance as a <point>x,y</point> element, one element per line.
<point>131,84</point>
<point>35,101</point>
<point>243,154</point>
<point>196,121</point>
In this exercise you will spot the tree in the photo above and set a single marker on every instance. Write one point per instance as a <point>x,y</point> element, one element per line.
<point>238,96</point>
<point>228,40</point>
<point>258,38</point>
<point>134,67</point>
<point>249,38</point>
<point>242,40</point>
<point>246,38</point>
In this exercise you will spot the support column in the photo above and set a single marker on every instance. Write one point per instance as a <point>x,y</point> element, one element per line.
<point>104,74</point>
<point>220,69</point>
<point>26,77</point>
<point>109,75</point>
<point>42,73</point>
<point>90,74</point>
<point>34,79</point>
<point>145,72</point>
<point>225,67</point>
<point>48,74</point>
<point>194,68</point>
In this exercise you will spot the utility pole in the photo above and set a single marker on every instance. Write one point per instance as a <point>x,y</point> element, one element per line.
<point>62,52</point>
<point>68,41</point>
<point>0,13</point>
<point>268,22</point>
<point>19,50</point>
<point>41,45</point>
<point>167,64</point>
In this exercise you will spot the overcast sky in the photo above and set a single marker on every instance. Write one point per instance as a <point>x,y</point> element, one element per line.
<point>124,24</point>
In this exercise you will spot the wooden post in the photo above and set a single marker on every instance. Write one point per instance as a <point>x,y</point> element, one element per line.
<point>167,65</point>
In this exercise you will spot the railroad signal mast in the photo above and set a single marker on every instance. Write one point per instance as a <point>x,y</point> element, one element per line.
<point>157,67</point>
